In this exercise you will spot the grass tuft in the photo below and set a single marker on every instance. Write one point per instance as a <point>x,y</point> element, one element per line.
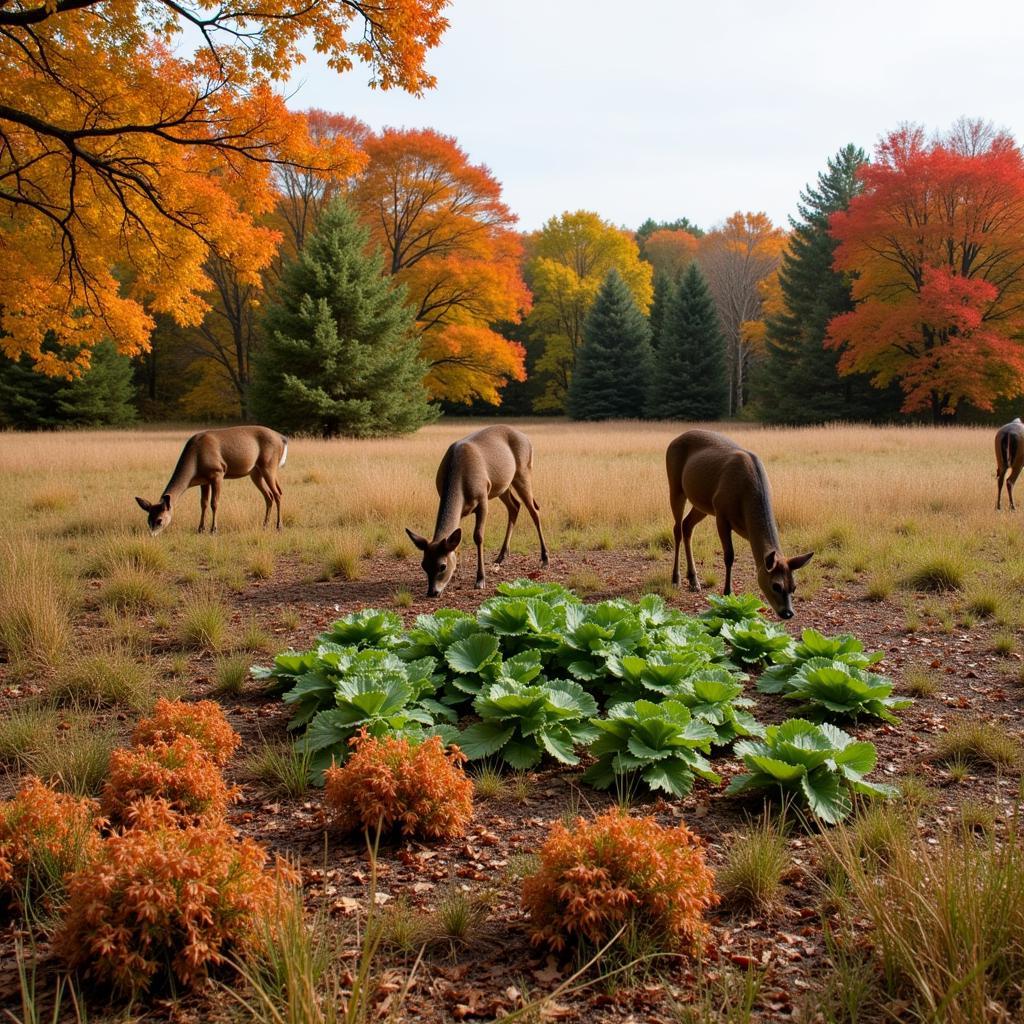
<point>230,675</point>
<point>204,623</point>
<point>488,782</point>
<point>283,768</point>
<point>107,678</point>
<point>755,864</point>
<point>937,574</point>
<point>976,743</point>
<point>78,759</point>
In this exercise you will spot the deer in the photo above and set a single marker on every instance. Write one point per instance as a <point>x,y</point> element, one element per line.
<point>721,479</point>
<point>1009,458</point>
<point>212,456</point>
<point>495,462</point>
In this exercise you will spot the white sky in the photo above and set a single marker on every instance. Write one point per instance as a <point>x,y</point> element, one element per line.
<point>662,109</point>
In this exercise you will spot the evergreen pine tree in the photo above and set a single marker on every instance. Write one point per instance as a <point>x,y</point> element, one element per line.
<point>798,381</point>
<point>656,318</point>
<point>340,354</point>
<point>613,363</point>
<point>689,380</point>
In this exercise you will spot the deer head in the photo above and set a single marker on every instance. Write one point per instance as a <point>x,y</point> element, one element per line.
<point>775,578</point>
<point>159,514</point>
<point>439,559</point>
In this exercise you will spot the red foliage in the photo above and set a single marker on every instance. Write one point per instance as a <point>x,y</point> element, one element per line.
<point>166,901</point>
<point>420,790</point>
<point>203,720</point>
<point>936,244</point>
<point>44,836</point>
<point>177,777</point>
<point>616,871</point>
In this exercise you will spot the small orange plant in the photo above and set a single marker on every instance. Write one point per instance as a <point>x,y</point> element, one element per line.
<point>163,904</point>
<point>44,837</point>
<point>178,775</point>
<point>617,871</point>
<point>417,789</point>
<point>203,720</point>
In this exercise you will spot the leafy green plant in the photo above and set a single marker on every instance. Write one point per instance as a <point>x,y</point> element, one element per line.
<point>844,648</point>
<point>730,608</point>
<point>753,641</point>
<point>836,688</point>
<point>661,743</point>
<point>367,628</point>
<point>522,722</point>
<point>820,764</point>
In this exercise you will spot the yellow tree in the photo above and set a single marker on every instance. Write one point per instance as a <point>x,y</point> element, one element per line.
<point>568,260</point>
<point>125,165</point>
<point>738,260</point>
<point>448,237</point>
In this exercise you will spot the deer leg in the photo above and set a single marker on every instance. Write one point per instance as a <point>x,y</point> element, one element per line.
<point>525,491</point>
<point>694,516</point>
<point>478,539</point>
<point>512,504</point>
<point>725,535</point>
<point>1010,481</point>
<point>204,500</point>
<point>277,492</point>
<point>1000,474</point>
<point>678,502</point>
<point>264,488</point>
<point>215,483</point>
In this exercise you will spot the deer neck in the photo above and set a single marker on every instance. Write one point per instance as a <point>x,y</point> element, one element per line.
<point>184,473</point>
<point>762,531</point>
<point>449,512</point>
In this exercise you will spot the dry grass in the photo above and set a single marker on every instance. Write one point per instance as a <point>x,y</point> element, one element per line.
<point>109,677</point>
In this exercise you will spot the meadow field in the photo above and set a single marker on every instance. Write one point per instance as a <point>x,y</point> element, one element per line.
<point>98,620</point>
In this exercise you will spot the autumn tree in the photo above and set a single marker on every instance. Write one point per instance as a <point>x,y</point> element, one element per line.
<point>448,237</point>
<point>799,381</point>
<point>670,251</point>
<point>650,225</point>
<point>736,260</point>
<point>125,163</point>
<point>688,378</point>
<point>614,362</point>
<point>341,354</point>
<point>568,260</point>
<point>935,240</point>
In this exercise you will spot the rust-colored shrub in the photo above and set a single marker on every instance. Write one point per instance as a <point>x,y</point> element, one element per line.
<point>615,871</point>
<point>177,774</point>
<point>419,790</point>
<point>44,836</point>
<point>203,720</point>
<point>167,904</point>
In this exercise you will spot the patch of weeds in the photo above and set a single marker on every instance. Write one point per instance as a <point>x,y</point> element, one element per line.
<point>400,550</point>
<point>204,621</point>
<point>754,865</point>
<point>915,792</point>
<point>458,915</point>
<point>920,681</point>
<point>488,782</point>
<point>78,760</point>
<point>24,731</point>
<point>260,564</point>
<point>958,769</point>
<point>401,928</point>
<point>230,674</point>
<point>520,786</point>
<point>585,582</point>
<point>1004,642</point>
<point>977,816</point>
<point>402,598</point>
<point>937,574</point>
<point>130,588</point>
<point>341,561</point>
<point>986,744</point>
<point>255,638</point>
<point>911,619</point>
<point>53,499</point>
<point>283,768</point>
<point>726,995</point>
<point>289,619</point>
<point>659,583</point>
<point>107,677</point>
<point>983,602</point>
<point>521,865</point>
<point>880,586</point>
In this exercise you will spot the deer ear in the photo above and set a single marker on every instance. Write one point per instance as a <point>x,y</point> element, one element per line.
<point>420,542</point>
<point>143,504</point>
<point>454,539</point>
<point>800,561</point>
<point>771,560</point>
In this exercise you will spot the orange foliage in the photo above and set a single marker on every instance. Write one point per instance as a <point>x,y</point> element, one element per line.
<point>128,163</point>
<point>419,790</point>
<point>179,774</point>
<point>44,836</point>
<point>615,870</point>
<point>670,251</point>
<point>935,242</point>
<point>447,236</point>
<point>175,900</point>
<point>203,720</point>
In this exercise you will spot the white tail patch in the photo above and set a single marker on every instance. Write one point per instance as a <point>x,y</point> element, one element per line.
<point>284,456</point>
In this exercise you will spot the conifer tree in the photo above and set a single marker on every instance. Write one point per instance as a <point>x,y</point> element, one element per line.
<point>798,381</point>
<point>340,354</point>
<point>656,317</point>
<point>613,363</point>
<point>689,380</point>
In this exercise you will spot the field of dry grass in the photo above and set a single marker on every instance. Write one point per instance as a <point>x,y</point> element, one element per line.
<point>97,619</point>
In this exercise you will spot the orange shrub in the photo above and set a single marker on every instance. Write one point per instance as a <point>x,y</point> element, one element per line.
<point>44,837</point>
<point>203,720</point>
<point>163,902</point>
<point>418,789</point>
<point>178,774</point>
<point>615,870</point>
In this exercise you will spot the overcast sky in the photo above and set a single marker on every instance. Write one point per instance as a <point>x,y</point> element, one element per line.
<point>665,108</point>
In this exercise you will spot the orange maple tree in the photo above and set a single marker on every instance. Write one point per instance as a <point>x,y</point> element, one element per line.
<point>124,166</point>
<point>670,251</point>
<point>449,238</point>
<point>936,243</point>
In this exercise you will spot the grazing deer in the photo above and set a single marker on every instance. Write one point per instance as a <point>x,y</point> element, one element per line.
<point>216,455</point>
<point>721,479</point>
<point>1009,457</point>
<point>491,463</point>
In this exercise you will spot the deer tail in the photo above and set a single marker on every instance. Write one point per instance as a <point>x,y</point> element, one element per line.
<point>284,454</point>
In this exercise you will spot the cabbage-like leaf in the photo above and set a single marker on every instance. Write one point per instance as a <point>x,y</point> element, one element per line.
<point>370,627</point>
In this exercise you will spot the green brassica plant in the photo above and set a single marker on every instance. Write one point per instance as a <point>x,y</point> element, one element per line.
<point>818,764</point>
<point>830,688</point>
<point>843,648</point>
<point>730,608</point>
<point>753,642</point>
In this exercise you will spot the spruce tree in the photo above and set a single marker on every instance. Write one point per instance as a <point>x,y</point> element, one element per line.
<point>613,363</point>
<point>798,381</point>
<point>656,318</point>
<point>689,380</point>
<point>340,354</point>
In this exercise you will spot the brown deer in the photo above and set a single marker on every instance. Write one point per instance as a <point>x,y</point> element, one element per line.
<point>491,463</point>
<point>212,456</point>
<point>1009,457</point>
<point>721,479</point>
